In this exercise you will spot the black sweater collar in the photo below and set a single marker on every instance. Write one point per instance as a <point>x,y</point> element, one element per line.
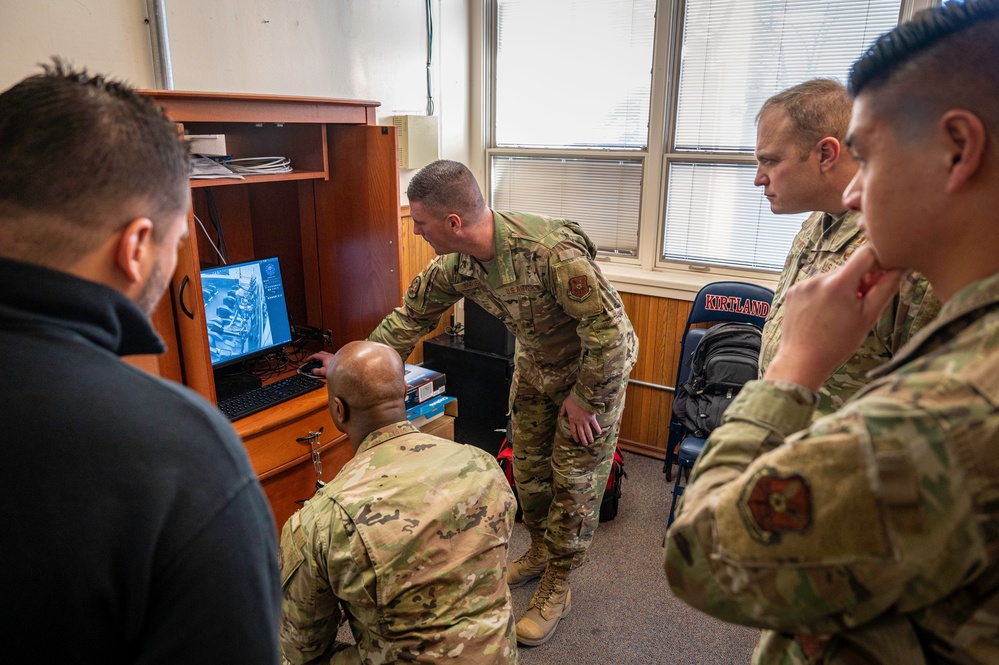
<point>31,295</point>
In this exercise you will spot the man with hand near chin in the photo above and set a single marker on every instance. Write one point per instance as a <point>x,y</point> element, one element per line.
<point>868,536</point>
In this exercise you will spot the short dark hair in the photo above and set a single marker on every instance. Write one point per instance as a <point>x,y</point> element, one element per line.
<point>80,157</point>
<point>446,187</point>
<point>817,108</point>
<point>945,56</point>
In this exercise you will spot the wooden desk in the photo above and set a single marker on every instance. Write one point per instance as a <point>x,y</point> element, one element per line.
<point>333,223</point>
<point>279,442</point>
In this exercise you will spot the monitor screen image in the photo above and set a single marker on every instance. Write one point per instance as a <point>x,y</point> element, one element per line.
<point>245,310</point>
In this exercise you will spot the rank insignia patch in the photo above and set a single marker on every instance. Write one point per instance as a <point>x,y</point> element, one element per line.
<point>579,288</point>
<point>772,503</point>
<point>414,288</point>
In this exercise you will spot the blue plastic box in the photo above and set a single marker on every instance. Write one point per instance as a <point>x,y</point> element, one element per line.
<point>432,407</point>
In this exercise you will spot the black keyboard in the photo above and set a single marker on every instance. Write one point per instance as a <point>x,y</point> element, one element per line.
<point>263,397</point>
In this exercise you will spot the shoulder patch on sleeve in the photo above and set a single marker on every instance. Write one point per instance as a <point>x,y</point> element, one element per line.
<point>804,502</point>
<point>578,288</point>
<point>414,287</point>
<point>419,291</point>
<point>772,502</point>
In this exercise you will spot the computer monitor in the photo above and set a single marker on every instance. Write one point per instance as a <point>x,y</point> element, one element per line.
<point>246,312</point>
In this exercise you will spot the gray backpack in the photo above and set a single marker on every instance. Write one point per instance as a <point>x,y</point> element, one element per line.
<point>724,360</point>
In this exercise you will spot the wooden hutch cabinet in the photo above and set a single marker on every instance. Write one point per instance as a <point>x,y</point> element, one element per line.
<point>334,225</point>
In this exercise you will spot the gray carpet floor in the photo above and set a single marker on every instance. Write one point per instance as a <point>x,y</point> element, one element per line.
<point>622,608</point>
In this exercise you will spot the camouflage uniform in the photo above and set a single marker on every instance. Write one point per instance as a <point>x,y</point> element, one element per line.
<point>574,341</point>
<point>410,540</point>
<point>823,244</point>
<point>877,524</point>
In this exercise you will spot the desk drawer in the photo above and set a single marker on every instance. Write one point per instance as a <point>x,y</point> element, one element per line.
<point>271,437</point>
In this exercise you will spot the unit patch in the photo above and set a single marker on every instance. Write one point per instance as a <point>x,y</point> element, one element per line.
<point>414,288</point>
<point>771,503</point>
<point>579,288</point>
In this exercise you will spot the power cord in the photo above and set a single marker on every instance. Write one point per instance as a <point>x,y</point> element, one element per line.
<point>216,219</point>
<point>214,246</point>
<point>259,165</point>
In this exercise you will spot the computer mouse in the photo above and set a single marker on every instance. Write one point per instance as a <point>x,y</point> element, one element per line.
<point>308,367</point>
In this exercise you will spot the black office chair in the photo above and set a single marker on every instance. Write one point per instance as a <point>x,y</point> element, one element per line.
<point>718,301</point>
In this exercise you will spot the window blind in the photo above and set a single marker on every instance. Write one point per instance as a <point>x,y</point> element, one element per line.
<point>576,74</point>
<point>716,216</point>
<point>573,73</point>
<point>601,195</point>
<point>735,55</point>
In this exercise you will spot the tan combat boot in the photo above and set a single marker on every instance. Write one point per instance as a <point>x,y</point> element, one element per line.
<point>528,565</point>
<point>551,602</point>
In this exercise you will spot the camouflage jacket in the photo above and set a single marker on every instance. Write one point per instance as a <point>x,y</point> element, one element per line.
<point>817,250</point>
<point>885,510</point>
<point>571,328</point>
<point>410,541</point>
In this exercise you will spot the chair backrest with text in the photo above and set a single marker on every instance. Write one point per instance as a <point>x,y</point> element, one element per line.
<point>731,301</point>
<point>740,302</point>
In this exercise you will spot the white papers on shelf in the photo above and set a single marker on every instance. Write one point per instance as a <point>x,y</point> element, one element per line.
<point>203,168</point>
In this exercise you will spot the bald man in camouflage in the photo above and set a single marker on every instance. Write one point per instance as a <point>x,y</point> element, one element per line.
<point>575,348</point>
<point>409,541</point>
<point>870,535</point>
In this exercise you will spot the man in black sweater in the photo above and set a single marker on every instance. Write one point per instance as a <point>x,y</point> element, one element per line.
<point>132,527</point>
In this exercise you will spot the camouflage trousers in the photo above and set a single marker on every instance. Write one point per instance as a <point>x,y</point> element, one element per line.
<point>886,641</point>
<point>560,482</point>
<point>338,653</point>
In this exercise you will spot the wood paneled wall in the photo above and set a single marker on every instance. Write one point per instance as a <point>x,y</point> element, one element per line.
<point>659,323</point>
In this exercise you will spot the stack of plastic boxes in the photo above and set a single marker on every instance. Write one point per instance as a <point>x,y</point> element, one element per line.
<point>425,396</point>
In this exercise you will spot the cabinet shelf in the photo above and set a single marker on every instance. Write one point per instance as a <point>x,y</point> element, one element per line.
<point>336,238</point>
<point>251,179</point>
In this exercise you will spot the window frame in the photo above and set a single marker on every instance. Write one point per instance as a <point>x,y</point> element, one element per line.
<point>646,271</point>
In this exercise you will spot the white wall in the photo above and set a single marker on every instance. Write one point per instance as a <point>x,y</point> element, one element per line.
<point>354,49</point>
<point>104,35</point>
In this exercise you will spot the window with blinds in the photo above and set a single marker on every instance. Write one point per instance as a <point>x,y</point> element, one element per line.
<point>734,56</point>
<point>715,217</point>
<point>573,75</point>
<point>601,195</point>
<point>573,85</point>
